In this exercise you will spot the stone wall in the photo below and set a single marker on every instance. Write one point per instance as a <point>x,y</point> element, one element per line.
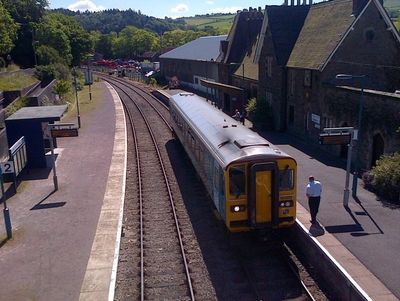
<point>3,145</point>
<point>338,106</point>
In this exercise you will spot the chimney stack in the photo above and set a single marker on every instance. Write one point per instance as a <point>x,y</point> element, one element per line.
<point>358,6</point>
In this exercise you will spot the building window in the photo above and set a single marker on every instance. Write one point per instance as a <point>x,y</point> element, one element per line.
<point>291,82</point>
<point>268,96</point>
<point>307,78</point>
<point>369,34</point>
<point>268,66</point>
<point>254,91</point>
<point>291,114</point>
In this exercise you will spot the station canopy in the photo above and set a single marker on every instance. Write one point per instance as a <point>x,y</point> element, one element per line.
<point>41,114</point>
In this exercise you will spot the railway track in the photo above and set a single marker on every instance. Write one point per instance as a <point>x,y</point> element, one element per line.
<point>245,269</point>
<point>164,268</point>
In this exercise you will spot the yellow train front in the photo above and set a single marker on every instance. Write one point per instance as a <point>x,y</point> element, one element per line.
<point>251,182</point>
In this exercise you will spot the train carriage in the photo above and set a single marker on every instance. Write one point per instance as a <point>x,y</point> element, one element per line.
<point>251,182</point>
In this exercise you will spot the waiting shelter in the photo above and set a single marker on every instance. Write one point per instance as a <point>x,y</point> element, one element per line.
<point>233,97</point>
<point>29,122</point>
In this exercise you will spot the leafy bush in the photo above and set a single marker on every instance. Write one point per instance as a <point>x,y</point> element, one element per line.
<point>80,79</point>
<point>384,178</point>
<point>46,73</point>
<point>48,55</point>
<point>16,105</point>
<point>2,62</point>
<point>259,112</point>
<point>62,88</point>
<point>152,82</point>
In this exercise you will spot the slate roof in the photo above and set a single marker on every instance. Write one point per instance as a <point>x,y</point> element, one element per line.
<point>285,23</point>
<point>201,49</point>
<point>324,27</point>
<point>250,69</point>
<point>244,31</point>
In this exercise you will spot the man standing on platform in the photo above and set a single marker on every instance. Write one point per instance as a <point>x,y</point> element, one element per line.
<point>313,192</point>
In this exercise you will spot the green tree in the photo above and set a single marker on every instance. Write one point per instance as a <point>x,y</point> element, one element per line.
<point>26,11</point>
<point>27,14</point>
<point>52,33</point>
<point>178,37</point>
<point>173,38</point>
<point>145,41</point>
<point>48,55</point>
<point>67,36</point>
<point>8,31</point>
<point>260,112</point>
<point>104,45</point>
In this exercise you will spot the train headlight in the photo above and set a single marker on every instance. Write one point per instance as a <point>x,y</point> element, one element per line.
<point>238,208</point>
<point>286,204</point>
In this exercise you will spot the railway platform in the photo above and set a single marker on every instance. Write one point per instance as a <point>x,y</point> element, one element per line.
<point>65,243</point>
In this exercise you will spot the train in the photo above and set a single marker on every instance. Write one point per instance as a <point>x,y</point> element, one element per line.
<point>251,182</point>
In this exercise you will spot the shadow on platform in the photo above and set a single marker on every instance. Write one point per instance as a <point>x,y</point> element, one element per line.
<point>313,151</point>
<point>40,205</point>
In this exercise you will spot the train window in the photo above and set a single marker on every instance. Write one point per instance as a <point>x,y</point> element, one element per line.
<point>286,179</point>
<point>237,180</point>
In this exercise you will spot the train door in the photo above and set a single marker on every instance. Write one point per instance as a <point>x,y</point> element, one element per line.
<point>263,209</point>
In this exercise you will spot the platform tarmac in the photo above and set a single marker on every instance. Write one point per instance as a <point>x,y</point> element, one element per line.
<point>65,243</point>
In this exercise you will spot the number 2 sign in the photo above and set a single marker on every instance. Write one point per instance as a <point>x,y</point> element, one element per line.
<point>7,167</point>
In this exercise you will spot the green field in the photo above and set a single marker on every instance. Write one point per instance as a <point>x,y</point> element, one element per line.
<point>392,4</point>
<point>222,23</point>
<point>16,81</point>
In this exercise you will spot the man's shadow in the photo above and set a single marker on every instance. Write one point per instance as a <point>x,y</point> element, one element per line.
<point>316,230</point>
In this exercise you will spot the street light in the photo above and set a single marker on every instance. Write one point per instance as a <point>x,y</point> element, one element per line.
<point>76,98</point>
<point>357,136</point>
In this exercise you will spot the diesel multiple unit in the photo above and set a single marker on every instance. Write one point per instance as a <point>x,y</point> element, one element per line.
<point>251,182</point>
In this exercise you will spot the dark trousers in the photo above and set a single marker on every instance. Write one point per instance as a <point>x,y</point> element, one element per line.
<point>313,203</point>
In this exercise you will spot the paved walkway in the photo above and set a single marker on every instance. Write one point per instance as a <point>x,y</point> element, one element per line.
<point>53,232</point>
<point>369,229</point>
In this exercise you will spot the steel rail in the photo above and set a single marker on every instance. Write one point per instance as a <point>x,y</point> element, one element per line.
<point>171,199</point>
<point>131,86</point>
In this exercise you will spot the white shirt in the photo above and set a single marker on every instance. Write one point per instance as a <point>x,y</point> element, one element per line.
<point>314,188</point>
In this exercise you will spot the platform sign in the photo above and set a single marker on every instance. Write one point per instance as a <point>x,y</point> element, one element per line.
<point>60,130</point>
<point>88,77</point>
<point>7,167</point>
<point>60,133</point>
<point>334,138</point>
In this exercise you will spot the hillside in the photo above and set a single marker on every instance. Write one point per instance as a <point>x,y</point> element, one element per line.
<point>114,20</point>
<point>393,8</point>
<point>221,22</point>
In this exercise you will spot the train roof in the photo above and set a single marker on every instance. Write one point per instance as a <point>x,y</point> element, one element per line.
<point>225,137</point>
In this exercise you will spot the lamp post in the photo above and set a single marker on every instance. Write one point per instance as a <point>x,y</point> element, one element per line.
<point>357,135</point>
<point>76,98</point>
